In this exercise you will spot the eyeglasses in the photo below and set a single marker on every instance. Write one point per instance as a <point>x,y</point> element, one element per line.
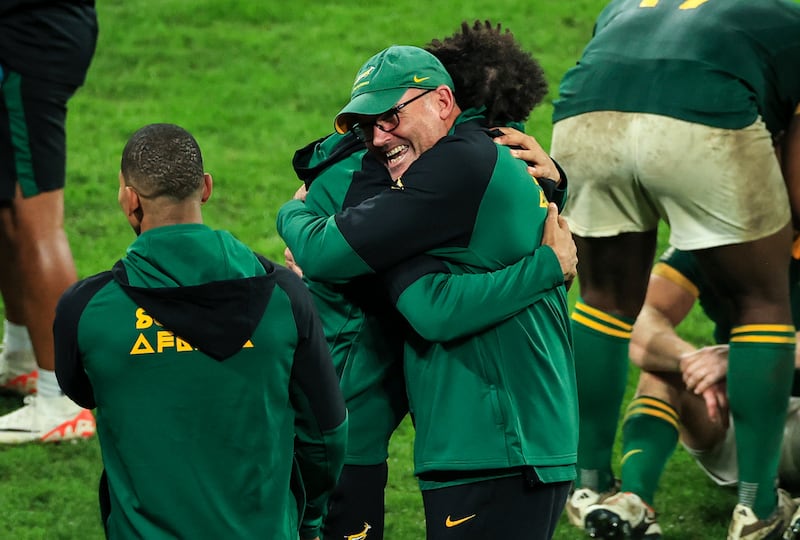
<point>386,122</point>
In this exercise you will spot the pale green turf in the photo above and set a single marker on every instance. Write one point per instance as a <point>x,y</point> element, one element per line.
<point>254,80</point>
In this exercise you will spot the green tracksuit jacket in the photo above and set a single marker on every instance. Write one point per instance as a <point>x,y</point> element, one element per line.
<point>218,409</point>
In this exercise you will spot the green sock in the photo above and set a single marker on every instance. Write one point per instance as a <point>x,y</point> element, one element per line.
<point>649,435</point>
<point>601,368</point>
<point>760,371</point>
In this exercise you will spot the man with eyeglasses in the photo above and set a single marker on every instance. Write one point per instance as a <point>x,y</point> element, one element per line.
<point>487,64</point>
<point>465,205</point>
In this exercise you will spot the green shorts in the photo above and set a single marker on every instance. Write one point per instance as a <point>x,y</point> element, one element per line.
<point>33,115</point>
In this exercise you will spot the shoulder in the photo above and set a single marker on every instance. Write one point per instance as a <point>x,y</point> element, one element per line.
<point>75,299</point>
<point>289,282</point>
<point>466,152</point>
<point>85,289</point>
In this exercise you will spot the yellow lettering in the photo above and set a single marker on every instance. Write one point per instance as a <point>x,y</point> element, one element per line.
<point>142,346</point>
<point>165,339</point>
<point>691,4</point>
<point>543,202</point>
<point>143,320</point>
<point>688,4</point>
<point>182,345</point>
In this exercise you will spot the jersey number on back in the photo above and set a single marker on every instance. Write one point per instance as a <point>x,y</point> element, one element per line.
<point>689,4</point>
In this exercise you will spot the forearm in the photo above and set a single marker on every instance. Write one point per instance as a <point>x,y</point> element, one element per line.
<point>655,346</point>
<point>317,245</point>
<point>442,307</point>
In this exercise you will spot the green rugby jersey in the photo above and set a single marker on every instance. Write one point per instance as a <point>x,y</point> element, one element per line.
<point>218,409</point>
<point>469,203</point>
<point>720,63</point>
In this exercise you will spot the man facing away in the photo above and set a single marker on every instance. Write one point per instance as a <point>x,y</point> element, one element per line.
<point>671,114</point>
<point>218,409</point>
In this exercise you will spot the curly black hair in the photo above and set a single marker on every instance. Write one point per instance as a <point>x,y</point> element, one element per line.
<point>490,68</point>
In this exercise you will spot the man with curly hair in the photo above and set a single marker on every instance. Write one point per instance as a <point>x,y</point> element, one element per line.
<point>491,70</point>
<point>440,158</point>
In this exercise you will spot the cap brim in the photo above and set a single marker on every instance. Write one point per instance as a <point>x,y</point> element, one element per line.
<point>367,104</point>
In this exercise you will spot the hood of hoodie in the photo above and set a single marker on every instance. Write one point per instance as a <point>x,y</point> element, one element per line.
<point>312,159</point>
<point>205,286</point>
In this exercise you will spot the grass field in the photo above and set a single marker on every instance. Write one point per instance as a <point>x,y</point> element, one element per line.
<point>255,80</point>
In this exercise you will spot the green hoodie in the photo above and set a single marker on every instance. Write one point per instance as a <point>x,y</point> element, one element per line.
<point>218,409</point>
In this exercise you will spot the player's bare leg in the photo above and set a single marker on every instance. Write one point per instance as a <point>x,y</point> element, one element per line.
<point>18,368</point>
<point>9,282</point>
<point>46,267</point>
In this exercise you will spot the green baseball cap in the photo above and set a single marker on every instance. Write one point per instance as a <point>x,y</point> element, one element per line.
<point>385,77</point>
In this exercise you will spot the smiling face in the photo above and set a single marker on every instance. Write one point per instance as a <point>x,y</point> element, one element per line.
<point>422,123</point>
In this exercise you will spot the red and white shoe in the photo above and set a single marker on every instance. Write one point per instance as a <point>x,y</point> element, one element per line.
<point>46,420</point>
<point>18,372</point>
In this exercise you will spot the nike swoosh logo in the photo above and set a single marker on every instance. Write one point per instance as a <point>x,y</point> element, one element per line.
<point>630,453</point>
<point>453,523</point>
<point>420,79</point>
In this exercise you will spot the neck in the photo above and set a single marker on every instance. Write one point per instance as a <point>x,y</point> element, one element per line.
<point>176,215</point>
<point>451,118</point>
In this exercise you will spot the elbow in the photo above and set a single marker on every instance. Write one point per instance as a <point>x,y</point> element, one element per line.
<point>637,352</point>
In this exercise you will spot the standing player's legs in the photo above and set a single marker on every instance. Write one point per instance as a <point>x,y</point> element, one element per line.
<point>615,227</point>
<point>613,275</point>
<point>17,360</point>
<point>726,202</point>
<point>33,147</point>
<point>761,358</point>
<point>32,151</point>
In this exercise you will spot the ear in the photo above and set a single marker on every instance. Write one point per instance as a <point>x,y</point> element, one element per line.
<point>208,187</point>
<point>446,101</point>
<point>128,198</point>
<point>132,201</point>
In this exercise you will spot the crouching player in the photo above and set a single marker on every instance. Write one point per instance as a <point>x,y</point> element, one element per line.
<point>681,394</point>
